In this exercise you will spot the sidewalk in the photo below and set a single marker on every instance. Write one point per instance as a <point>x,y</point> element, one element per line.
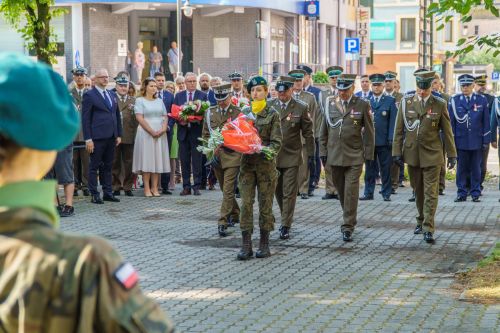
<point>386,280</point>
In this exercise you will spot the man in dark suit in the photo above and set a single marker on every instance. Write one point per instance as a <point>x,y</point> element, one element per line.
<point>168,99</point>
<point>365,91</point>
<point>102,131</point>
<point>188,134</point>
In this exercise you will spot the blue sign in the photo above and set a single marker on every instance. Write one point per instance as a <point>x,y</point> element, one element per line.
<point>382,30</point>
<point>495,76</point>
<point>351,45</point>
<point>311,10</point>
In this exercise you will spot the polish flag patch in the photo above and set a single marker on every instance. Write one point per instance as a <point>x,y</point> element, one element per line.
<point>127,276</point>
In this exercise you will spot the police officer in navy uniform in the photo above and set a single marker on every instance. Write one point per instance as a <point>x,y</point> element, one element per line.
<point>470,121</point>
<point>384,114</point>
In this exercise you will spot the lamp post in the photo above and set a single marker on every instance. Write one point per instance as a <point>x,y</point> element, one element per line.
<point>188,11</point>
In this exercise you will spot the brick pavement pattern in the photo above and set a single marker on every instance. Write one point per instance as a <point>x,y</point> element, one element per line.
<point>386,280</point>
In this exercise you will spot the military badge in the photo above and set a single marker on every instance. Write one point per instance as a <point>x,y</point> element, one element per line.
<point>384,113</point>
<point>475,107</point>
<point>288,117</point>
<point>356,122</point>
<point>127,276</point>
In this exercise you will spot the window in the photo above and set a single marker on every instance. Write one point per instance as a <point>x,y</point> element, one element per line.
<point>369,60</point>
<point>476,30</point>
<point>465,30</point>
<point>448,32</point>
<point>407,30</point>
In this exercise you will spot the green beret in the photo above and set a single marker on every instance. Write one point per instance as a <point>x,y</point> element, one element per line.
<point>297,74</point>
<point>48,119</point>
<point>334,71</point>
<point>256,81</point>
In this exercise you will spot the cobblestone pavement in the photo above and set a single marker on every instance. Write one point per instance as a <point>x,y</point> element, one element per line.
<point>386,280</point>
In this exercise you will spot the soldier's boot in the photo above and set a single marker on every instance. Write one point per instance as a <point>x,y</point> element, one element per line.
<point>246,246</point>
<point>263,251</point>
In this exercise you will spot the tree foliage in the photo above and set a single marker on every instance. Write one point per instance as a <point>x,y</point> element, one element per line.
<point>32,18</point>
<point>444,11</point>
<point>481,57</point>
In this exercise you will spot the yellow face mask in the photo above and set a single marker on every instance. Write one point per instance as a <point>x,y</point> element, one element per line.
<point>258,106</point>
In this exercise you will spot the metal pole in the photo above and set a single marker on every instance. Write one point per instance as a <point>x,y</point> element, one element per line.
<point>425,34</point>
<point>179,42</point>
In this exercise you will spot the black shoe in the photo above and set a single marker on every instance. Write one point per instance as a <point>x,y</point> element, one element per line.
<point>186,191</point>
<point>387,198</point>
<point>263,251</point>
<point>129,193</point>
<point>116,193</point>
<point>67,211</point>
<point>401,184</point>
<point>96,199</point>
<point>393,191</point>
<point>460,199</point>
<point>347,236</point>
<point>166,192</point>
<point>230,222</point>
<point>476,199</point>
<point>237,195</point>
<point>222,230</point>
<point>366,197</point>
<point>284,232</point>
<point>304,196</point>
<point>246,246</point>
<point>75,193</point>
<point>203,187</point>
<point>412,199</point>
<point>310,193</point>
<point>441,192</point>
<point>428,237</point>
<point>86,193</point>
<point>418,230</point>
<point>110,198</point>
<point>196,192</point>
<point>329,196</point>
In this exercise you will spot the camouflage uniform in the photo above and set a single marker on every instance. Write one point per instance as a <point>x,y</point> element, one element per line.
<point>257,171</point>
<point>53,282</point>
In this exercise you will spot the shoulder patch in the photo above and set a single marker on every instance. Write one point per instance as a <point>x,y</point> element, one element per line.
<point>126,275</point>
<point>409,94</point>
<point>299,101</point>
<point>440,99</point>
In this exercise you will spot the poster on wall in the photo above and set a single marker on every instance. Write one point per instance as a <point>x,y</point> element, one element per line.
<point>122,48</point>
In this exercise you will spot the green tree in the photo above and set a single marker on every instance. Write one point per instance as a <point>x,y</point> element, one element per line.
<point>32,19</point>
<point>444,10</point>
<point>481,57</point>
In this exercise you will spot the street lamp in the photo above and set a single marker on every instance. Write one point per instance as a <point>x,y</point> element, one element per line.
<point>188,11</point>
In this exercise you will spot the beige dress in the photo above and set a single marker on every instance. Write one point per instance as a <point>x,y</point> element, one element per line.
<point>150,154</point>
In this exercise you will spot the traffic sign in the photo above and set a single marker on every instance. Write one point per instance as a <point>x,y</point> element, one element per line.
<point>351,45</point>
<point>495,76</point>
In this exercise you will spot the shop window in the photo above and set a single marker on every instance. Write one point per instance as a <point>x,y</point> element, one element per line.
<point>408,30</point>
<point>448,32</point>
<point>476,30</point>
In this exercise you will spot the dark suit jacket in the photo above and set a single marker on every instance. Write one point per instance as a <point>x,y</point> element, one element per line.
<point>211,97</point>
<point>168,100</point>
<point>98,120</point>
<point>316,92</point>
<point>192,129</point>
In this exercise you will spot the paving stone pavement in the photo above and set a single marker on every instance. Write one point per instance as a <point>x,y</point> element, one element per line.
<point>386,280</point>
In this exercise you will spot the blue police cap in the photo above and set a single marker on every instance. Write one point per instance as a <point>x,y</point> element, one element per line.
<point>305,68</point>
<point>466,79</point>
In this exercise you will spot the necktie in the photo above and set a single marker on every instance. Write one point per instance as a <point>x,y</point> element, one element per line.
<point>80,93</point>
<point>107,99</point>
<point>160,94</point>
<point>423,104</point>
<point>344,103</point>
<point>283,106</point>
<point>467,98</point>
<point>190,96</point>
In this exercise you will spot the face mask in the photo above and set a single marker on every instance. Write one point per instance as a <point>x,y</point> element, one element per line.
<point>258,106</point>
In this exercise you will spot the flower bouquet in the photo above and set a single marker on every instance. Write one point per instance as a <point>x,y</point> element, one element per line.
<point>240,102</point>
<point>190,112</point>
<point>239,135</point>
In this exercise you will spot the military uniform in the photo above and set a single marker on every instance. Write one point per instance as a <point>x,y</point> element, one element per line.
<point>346,141</point>
<point>124,152</point>
<point>228,165</point>
<point>470,122</point>
<point>295,124</point>
<point>417,141</point>
<point>330,189</point>
<point>80,154</point>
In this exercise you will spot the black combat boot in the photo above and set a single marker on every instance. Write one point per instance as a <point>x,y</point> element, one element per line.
<point>263,251</point>
<point>246,246</point>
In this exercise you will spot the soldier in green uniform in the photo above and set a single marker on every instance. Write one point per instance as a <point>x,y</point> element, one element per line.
<point>227,164</point>
<point>124,152</point>
<point>257,171</point>
<point>397,168</point>
<point>295,125</point>
<point>347,140</point>
<point>53,282</point>
<point>327,95</point>
<point>313,110</point>
<point>80,154</point>
<point>420,119</point>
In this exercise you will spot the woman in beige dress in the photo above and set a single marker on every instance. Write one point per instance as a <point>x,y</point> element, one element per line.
<point>151,157</point>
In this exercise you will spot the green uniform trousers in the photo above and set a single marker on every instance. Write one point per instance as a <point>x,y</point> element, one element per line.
<point>122,167</point>
<point>394,176</point>
<point>329,186</point>
<point>286,193</point>
<point>346,180</point>
<point>227,180</point>
<point>424,182</point>
<point>303,173</point>
<point>262,176</point>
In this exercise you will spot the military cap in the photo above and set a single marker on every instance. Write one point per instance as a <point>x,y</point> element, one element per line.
<point>377,78</point>
<point>424,78</point>
<point>78,70</point>
<point>256,81</point>
<point>222,91</point>
<point>297,74</point>
<point>390,75</point>
<point>305,68</point>
<point>122,79</point>
<point>48,120</point>
<point>235,76</point>
<point>284,83</point>
<point>334,71</point>
<point>345,81</point>
<point>466,79</point>
<point>481,79</point>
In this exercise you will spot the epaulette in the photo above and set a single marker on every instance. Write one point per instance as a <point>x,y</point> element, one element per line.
<point>308,92</point>
<point>409,94</point>
<point>301,102</point>
<point>439,98</point>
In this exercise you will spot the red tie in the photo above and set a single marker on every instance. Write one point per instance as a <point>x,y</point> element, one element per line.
<point>190,97</point>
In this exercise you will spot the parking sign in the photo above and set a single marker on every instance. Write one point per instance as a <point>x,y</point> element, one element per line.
<point>351,45</point>
<point>495,76</point>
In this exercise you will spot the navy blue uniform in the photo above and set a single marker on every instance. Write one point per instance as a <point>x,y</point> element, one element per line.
<point>384,116</point>
<point>470,122</point>
<point>360,94</point>
<point>315,173</point>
